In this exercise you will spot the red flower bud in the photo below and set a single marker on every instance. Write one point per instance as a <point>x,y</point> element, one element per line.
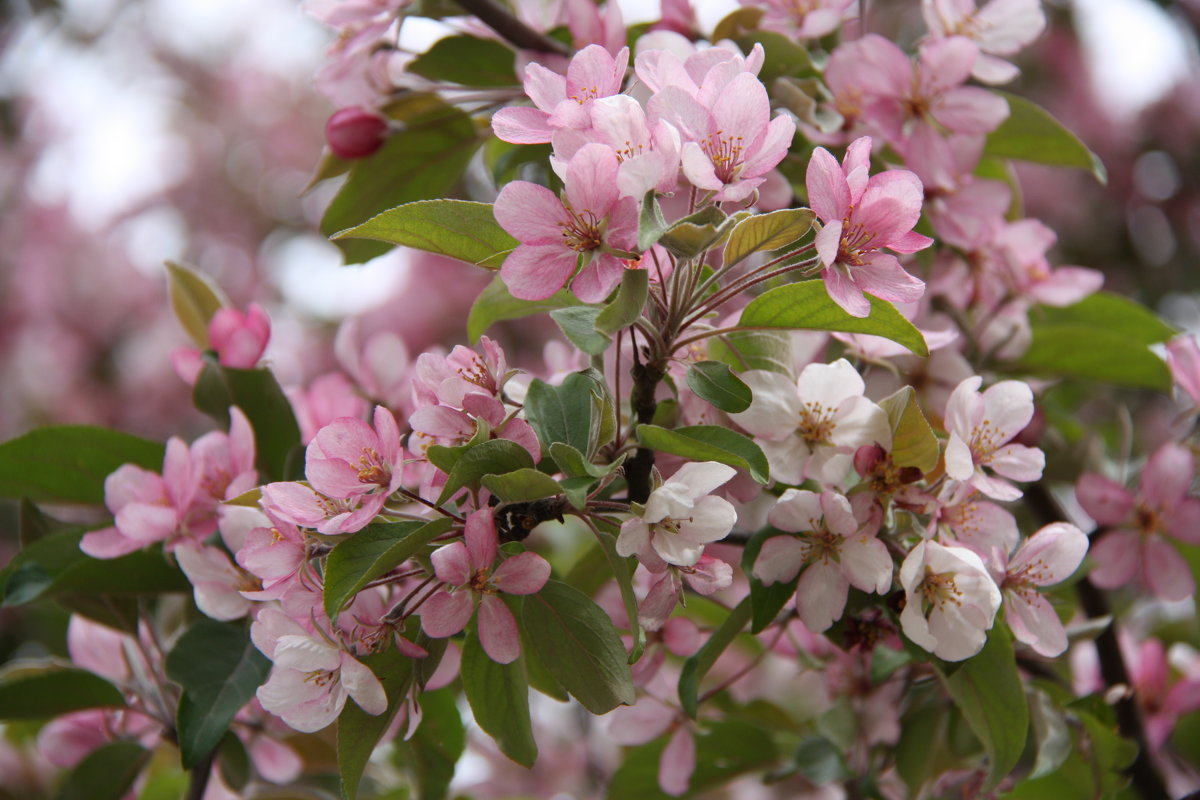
<point>354,132</point>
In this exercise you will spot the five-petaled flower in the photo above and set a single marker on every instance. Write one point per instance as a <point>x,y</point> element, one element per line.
<point>466,571</point>
<point>681,516</point>
<point>862,215</point>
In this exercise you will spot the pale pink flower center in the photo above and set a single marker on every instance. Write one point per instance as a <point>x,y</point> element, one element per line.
<point>725,152</point>
<point>816,423</point>
<point>937,589</point>
<point>856,240</point>
<point>371,468</point>
<point>582,232</point>
<point>321,677</point>
<point>985,439</point>
<point>585,94</point>
<point>824,545</point>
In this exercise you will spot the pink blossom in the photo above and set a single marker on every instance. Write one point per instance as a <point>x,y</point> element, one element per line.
<point>465,569</point>
<point>999,28</point>
<point>811,428</point>
<point>275,555</point>
<point>1135,546</point>
<point>182,502</point>
<point>239,338</point>
<point>981,427</point>
<point>834,549</point>
<point>299,504</point>
<point>556,234</point>
<point>311,678</point>
<point>350,459</point>
<point>977,524</point>
<point>328,397</point>
<point>801,19</point>
<point>1183,357</point>
<point>681,516</point>
<point>379,363</point>
<point>950,600</point>
<point>562,102</point>
<point>730,146</point>
<point>702,74</point>
<point>1048,557</point>
<point>862,215</point>
<point>648,156</point>
<point>216,582</point>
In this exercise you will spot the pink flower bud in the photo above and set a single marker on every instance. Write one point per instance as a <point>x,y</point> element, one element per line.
<point>238,338</point>
<point>354,132</point>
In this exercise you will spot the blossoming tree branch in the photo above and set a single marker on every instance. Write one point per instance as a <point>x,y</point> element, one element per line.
<point>786,505</point>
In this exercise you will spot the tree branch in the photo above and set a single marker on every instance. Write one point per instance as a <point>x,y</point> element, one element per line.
<point>501,20</point>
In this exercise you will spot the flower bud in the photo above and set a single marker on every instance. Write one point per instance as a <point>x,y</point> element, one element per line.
<point>354,132</point>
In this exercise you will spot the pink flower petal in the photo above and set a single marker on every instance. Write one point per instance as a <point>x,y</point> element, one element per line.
<point>498,630</point>
<point>1106,501</point>
<point>1117,554</point>
<point>481,540</point>
<point>534,272</point>
<point>452,564</point>
<point>1164,572</point>
<point>524,573</point>
<point>828,192</point>
<point>445,614</point>
<point>677,763</point>
<point>530,213</point>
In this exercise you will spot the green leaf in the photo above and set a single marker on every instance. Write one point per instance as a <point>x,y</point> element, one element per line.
<point>493,457</point>
<point>577,642</point>
<point>233,761</point>
<point>784,57</point>
<point>522,485</point>
<point>708,443</point>
<point>357,731</point>
<point>1031,133</point>
<point>745,350</point>
<point>988,690</point>
<point>454,228</point>
<point>914,444</point>
<point>499,698</point>
<point>68,463</point>
<point>424,160</point>
<point>698,665</point>
<point>817,759</point>
<point>1104,338</point>
<point>1108,311</point>
<point>767,232</point>
<point>54,565</point>
<point>40,692</point>
<point>622,569</point>
<point>194,299</point>
<point>724,750</point>
<point>219,669</point>
<point>259,396</point>
<point>807,306</point>
<point>578,324</point>
<point>106,773</point>
<point>626,307</point>
<point>372,553</point>
<point>467,60</point>
<point>495,304</point>
<point>918,761</point>
<point>737,23</point>
<point>561,414</point>
<point>435,748</point>
<point>712,381</point>
<point>692,235</point>
<point>651,223</point>
<point>765,601</point>
<point>1054,743</point>
<point>575,465</point>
